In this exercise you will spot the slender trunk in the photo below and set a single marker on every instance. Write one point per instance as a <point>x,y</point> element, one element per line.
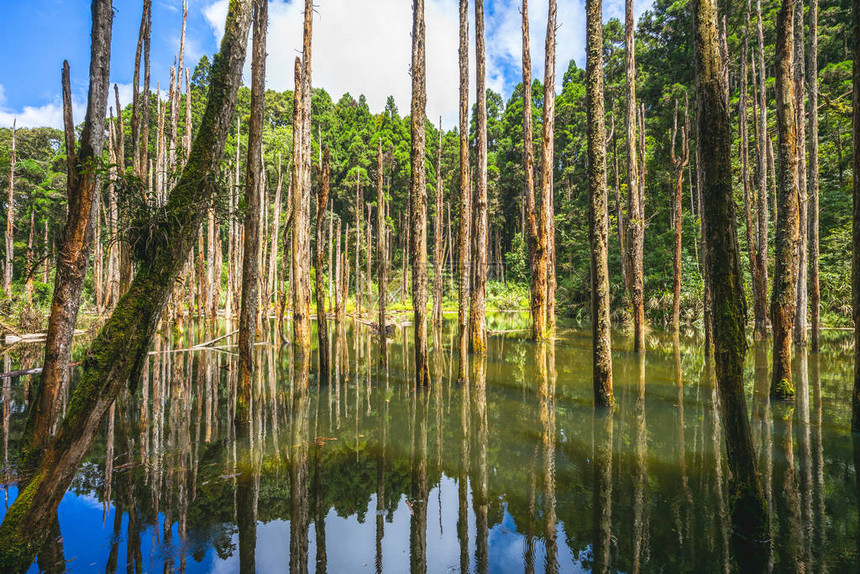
<point>547,214</point>
<point>855,275</point>
<point>478,310</point>
<point>812,79</point>
<point>299,248</point>
<point>117,353</point>
<point>799,64</point>
<point>418,192</point>
<point>761,200</point>
<point>10,221</point>
<point>272,280</point>
<point>319,262</point>
<point>783,302</point>
<point>536,246</point>
<point>78,234</point>
<point>679,164</point>
<point>597,214</point>
<point>464,235</point>
<point>253,183</point>
<point>723,260</point>
<point>438,239</point>
<point>381,255</point>
<point>635,221</point>
<point>30,270</point>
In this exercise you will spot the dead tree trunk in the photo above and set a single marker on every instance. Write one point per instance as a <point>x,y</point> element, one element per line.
<point>253,184</point>
<point>381,255</point>
<point>855,271</point>
<point>464,235</point>
<point>762,173</point>
<point>547,219</point>
<point>783,301</point>
<point>10,221</point>
<point>799,65</point>
<point>635,221</point>
<point>749,514</point>
<point>812,79</point>
<point>679,164</point>
<point>418,203</point>
<point>117,353</point>
<point>319,262</point>
<point>300,250</point>
<point>597,212</point>
<point>438,239</point>
<point>478,310</point>
<point>74,251</point>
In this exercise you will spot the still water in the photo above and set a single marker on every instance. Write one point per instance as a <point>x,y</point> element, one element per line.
<point>512,471</point>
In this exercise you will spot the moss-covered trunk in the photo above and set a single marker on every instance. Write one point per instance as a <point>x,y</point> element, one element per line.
<point>464,235</point>
<point>855,269</point>
<point>478,309</point>
<point>117,353</point>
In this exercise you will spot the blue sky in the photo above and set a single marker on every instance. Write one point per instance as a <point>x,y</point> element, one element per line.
<point>360,46</point>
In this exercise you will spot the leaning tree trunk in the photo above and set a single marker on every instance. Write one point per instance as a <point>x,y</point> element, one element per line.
<point>547,213</point>
<point>74,251</point>
<point>597,213</point>
<point>679,164</point>
<point>812,79</point>
<point>749,514</point>
<point>319,262</point>
<point>478,311</point>
<point>802,295</point>
<point>381,255</point>
<point>536,247</point>
<point>635,222</point>
<point>783,300</point>
<point>855,275</point>
<point>117,353</point>
<point>10,221</point>
<point>418,192</point>
<point>464,235</point>
<point>253,185</point>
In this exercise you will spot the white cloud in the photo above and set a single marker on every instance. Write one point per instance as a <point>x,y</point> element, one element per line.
<point>50,114</point>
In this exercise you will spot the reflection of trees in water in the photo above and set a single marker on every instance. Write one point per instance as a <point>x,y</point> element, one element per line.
<point>299,506</point>
<point>602,427</point>
<point>480,478</point>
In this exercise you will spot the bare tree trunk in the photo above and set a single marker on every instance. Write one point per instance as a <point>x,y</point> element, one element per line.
<point>319,262</point>
<point>78,234</point>
<point>547,217</point>
<point>635,221</point>
<point>536,245</point>
<point>358,210</point>
<point>597,212</point>
<point>783,301</point>
<point>418,192</point>
<point>799,64</point>
<point>762,205</point>
<point>30,270</point>
<point>117,353</point>
<point>478,310</point>
<point>812,79</point>
<point>46,262</point>
<point>381,255</point>
<point>135,91</point>
<point>749,514</point>
<point>464,235</point>
<point>10,221</point>
<point>438,239</point>
<point>338,292</point>
<point>855,271</point>
<point>272,280</point>
<point>679,163</point>
<point>253,183</point>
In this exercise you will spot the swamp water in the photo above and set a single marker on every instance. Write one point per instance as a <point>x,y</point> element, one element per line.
<point>511,472</point>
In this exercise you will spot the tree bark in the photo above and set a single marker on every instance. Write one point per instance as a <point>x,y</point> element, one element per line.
<point>679,164</point>
<point>855,270</point>
<point>478,310</point>
<point>783,301</point>
<point>547,215</point>
<point>761,200</point>
<point>74,251</point>
<point>464,235</point>
<point>253,184</point>
<point>418,192</point>
<point>319,263</point>
<point>118,351</point>
<point>799,64</point>
<point>438,239</point>
<point>812,79</point>
<point>749,514</point>
<point>635,221</point>
<point>10,222</point>
<point>381,255</point>
<point>597,212</point>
